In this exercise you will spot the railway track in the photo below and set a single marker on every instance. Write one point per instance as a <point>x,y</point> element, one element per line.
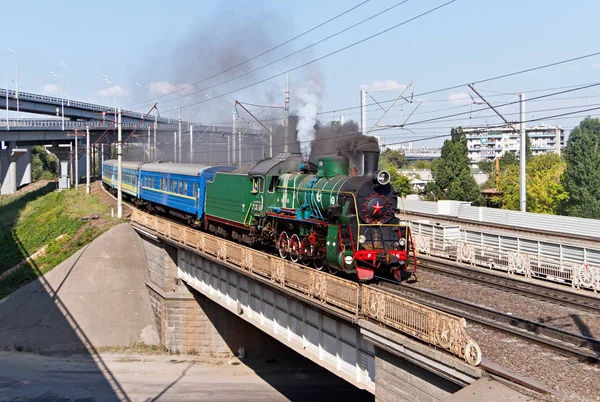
<point>579,345</point>
<point>557,294</point>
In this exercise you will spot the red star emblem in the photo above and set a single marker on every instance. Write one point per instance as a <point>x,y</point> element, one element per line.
<point>377,208</point>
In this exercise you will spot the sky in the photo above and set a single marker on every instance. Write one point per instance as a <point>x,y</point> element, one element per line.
<point>135,53</point>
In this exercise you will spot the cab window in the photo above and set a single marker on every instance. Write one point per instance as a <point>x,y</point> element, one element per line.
<point>258,185</point>
<point>273,184</point>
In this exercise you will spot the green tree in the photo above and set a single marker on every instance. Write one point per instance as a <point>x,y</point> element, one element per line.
<point>452,172</point>
<point>581,179</point>
<point>392,157</point>
<point>545,193</point>
<point>44,166</point>
<point>420,164</point>
<point>399,182</point>
<point>486,166</point>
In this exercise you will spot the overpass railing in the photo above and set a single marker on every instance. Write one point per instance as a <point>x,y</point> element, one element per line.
<point>362,301</point>
<point>57,124</point>
<point>531,265</point>
<point>111,110</point>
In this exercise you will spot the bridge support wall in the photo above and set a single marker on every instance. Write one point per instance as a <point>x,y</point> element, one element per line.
<point>189,322</point>
<point>24,168</point>
<point>9,159</point>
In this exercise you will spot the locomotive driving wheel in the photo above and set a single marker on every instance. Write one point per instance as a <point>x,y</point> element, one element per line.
<point>294,248</point>
<point>306,251</point>
<point>283,245</point>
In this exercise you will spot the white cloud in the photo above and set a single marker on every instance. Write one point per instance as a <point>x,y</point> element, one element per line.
<point>50,89</point>
<point>164,87</point>
<point>459,99</point>
<point>383,85</point>
<point>595,65</point>
<point>115,90</point>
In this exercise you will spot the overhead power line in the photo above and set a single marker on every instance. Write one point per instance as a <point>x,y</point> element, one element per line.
<point>260,54</point>
<point>322,57</point>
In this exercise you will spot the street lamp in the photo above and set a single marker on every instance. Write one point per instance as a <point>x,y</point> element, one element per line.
<point>6,85</point>
<point>62,97</point>
<point>68,83</point>
<point>16,75</point>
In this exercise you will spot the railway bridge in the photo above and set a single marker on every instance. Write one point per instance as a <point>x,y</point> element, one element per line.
<point>392,347</point>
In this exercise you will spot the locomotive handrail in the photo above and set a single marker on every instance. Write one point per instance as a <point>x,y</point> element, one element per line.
<point>363,301</point>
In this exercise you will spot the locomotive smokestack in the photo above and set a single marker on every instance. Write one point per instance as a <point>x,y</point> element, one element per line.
<point>370,163</point>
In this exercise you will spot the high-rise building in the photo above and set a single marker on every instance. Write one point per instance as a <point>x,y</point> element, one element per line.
<point>487,143</point>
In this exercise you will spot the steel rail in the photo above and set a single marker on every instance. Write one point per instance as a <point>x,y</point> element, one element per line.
<point>579,345</point>
<point>558,294</point>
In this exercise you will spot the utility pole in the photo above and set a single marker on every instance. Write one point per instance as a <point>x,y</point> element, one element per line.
<point>149,143</point>
<point>270,142</point>
<point>119,167</point>
<point>363,111</point>
<point>286,122</point>
<point>497,171</point>
<point>523,159</point>
<point>523,148</point>
<point>71,161</point>
<point>87,159</point>
<point>191,144</point>
<point>240,150</point>
<point>155,128</point>
<point>229,150</point>
<point>175,146</point>
<point>233,139</point>
<point>76,162</point>
<point>179,156</point>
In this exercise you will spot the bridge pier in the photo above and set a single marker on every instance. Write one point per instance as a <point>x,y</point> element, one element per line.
<point>63,154</point>
<point>24,168</point>
<point>9,158</point>
<point>189,322</point>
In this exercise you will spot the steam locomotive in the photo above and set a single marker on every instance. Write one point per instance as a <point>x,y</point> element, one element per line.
<point>317,215</point>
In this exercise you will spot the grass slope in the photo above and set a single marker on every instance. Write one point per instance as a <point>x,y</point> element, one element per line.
<point>33,220</point>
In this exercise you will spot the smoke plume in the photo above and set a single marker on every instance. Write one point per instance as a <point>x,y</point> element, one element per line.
<point>346,140</point>
<point>309,98</point>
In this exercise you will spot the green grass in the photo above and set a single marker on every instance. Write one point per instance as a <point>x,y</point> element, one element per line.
<point>31,221</point>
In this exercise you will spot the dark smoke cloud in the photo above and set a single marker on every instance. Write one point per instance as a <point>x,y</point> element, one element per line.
<point>345,140</point>
<point>232,36</point>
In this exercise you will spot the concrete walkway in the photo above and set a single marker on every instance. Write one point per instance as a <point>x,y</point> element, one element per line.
<point>95,298</point>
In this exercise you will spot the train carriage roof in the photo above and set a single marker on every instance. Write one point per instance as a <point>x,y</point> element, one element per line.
<point>132,165</point>
<point>189,169</point>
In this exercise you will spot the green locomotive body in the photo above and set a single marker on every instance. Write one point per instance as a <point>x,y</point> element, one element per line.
<point>318,215</point>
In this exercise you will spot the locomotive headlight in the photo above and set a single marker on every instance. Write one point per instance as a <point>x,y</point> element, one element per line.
<point>383,177</point>
<point>348,259</point>
<point>362,239</point>
<point>403,242</point>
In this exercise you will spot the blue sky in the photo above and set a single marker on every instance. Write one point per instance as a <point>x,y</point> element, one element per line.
<point>169,45</point>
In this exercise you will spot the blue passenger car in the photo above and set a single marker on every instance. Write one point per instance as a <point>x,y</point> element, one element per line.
<point>177,186</point>
<point>130,172</point>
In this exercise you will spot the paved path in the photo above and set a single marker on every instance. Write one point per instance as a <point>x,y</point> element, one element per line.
<point>96,297</point>
<point>28,377</point>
